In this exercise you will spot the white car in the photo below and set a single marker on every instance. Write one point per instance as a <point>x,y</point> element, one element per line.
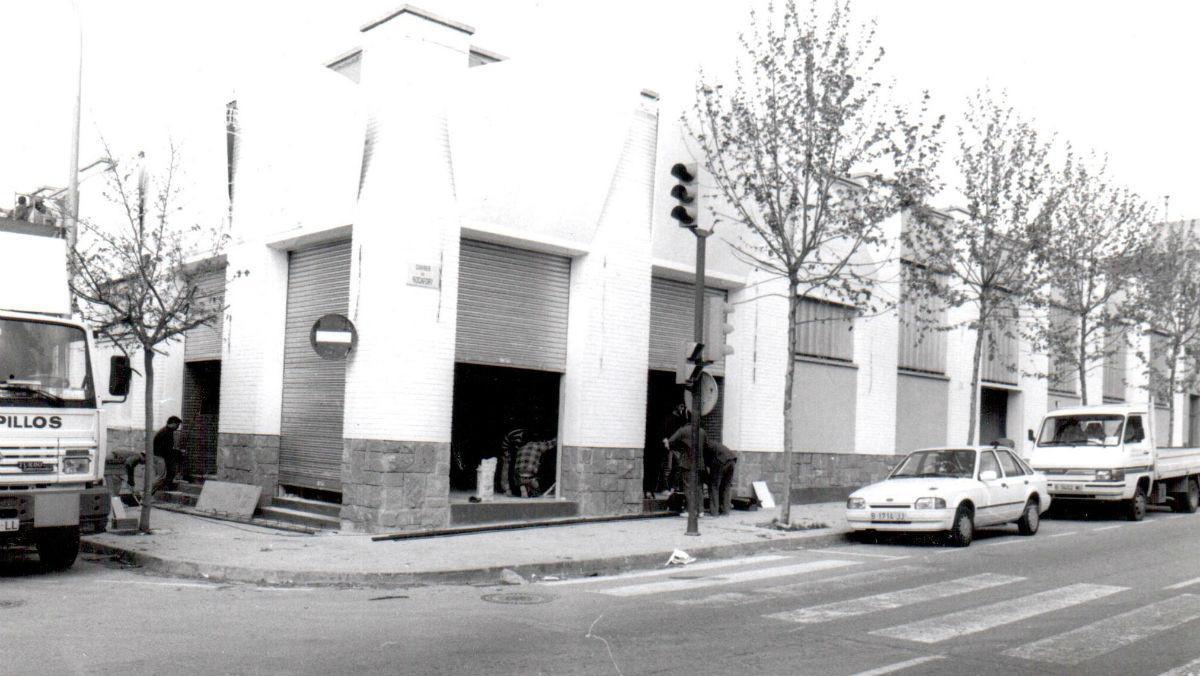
<point>954,489</point>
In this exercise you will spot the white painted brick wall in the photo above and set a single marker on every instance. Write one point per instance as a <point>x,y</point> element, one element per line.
<point>960,346</point>
<point>604,389</point>
<point>756,370</point>
<point>877,355</point>
<point>1034,398</point>
<point>168,386</point>
<point>399,382</point>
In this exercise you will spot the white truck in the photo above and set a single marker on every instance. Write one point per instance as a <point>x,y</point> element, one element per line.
<point>1107,454</point>
<point>52,434</point>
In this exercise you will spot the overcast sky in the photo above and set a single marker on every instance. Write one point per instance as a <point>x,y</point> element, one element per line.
<point>1116,77</point>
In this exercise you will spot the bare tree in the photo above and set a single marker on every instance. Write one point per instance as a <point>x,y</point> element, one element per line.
<point>985,257</point>
<point>1098,235</point>
<point>134,279</point>
<point>1169,300</point>
<point>805,114</point>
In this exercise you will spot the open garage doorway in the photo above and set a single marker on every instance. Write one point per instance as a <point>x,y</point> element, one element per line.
<point>663,399</point>
<point>201,413</point>
<point>490,404</point>
<point>993,414</point>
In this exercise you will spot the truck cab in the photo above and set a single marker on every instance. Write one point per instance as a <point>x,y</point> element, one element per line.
<point>1107,454</point>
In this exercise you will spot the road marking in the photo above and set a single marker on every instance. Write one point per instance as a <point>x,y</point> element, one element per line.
<point>894,599</point>
<point>673,570</point>
<point>1063,535</point>
<point>1111,633</point>
<point>1107,527</point>
<point>1185,583</point>
<point>1190,669</point>
<point>808,587</point>
<point>841,552</point>
<point>998,543</point>
<point>900,666</point>
<point>196,585</point>
<point>974,620</point>
<point>733,578</point>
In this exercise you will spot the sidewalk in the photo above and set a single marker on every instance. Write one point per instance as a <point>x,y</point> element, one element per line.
<point>192,546</point>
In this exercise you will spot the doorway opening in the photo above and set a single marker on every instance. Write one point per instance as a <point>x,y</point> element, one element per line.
<point>993,415</point>
<point>201,414</point>
<point>663,417</point>
<point>496,408</point>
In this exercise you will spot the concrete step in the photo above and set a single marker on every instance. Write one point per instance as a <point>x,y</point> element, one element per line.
<point>300,517</point>
<point>502,511</point>
<point>178,497</point>
<point>330,509</point>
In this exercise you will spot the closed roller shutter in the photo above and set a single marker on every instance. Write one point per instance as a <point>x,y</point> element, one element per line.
<point>203,343</point>
<point>512,307</point>
<point>672,317</point>
<point>314,389</point>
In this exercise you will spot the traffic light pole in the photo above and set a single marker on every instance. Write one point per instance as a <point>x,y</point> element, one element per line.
<point>697,456</point>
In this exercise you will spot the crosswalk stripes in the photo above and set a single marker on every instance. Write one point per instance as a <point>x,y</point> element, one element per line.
<point>707,565</point>
<point>1190,669</point>
<point>673,585</point>
<point>794,589</point>
<point>937,629</point>
<point>901,666</point>
<point>1109,634</point>
<point>895,599</point>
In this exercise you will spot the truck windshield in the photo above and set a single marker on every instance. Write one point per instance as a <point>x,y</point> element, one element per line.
<point>44,364</point>
<point>953,463</point>
<point>1082,430</point>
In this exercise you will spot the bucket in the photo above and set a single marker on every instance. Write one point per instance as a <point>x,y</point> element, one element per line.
<point>485,478</point>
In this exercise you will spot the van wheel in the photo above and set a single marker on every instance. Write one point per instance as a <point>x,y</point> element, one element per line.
<point>58,547</point>
<point>1030,519</point>
<point>964,528</point>
<point>1188,501</point>
<point>1135,509</point>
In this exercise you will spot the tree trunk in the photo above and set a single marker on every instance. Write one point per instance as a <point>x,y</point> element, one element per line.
<point>975,386</point>
<point>785,511</point>
<point>1083,361</point>
<point>148,464</point>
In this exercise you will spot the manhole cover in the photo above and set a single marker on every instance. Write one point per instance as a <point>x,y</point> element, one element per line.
<point>518,598</point>
<point>10,603</point>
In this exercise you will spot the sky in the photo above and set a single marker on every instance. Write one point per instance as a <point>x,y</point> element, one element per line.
<point>1115,77</point>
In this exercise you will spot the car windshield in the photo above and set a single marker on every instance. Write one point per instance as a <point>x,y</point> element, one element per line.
<point>44,364</point>
<point>953,463</point>
<point>1082,430</point>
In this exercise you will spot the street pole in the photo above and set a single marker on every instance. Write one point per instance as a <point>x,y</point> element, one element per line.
<point>694,492</point>
<point>72,216</point>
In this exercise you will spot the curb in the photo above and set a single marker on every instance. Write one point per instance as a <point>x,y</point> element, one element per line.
<point>477,576</point>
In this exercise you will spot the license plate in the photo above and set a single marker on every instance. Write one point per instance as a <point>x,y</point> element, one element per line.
<point>1067,487</point>
<point>887,516</point>
<point>10,524</point>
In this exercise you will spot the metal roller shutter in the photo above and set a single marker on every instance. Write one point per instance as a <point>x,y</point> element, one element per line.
<point>512,307</point>
<point>672,317</point>
<point>203,343</point>
<point>314,389</point>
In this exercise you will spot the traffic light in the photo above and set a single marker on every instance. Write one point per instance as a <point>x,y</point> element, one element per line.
<point>716,327</point>
<point>687,195</point>
<point>690,364</point>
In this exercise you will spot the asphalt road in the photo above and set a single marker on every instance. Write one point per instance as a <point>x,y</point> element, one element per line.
<point>1083,596</point>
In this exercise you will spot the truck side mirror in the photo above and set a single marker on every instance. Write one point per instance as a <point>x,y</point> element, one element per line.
<point>1030,434</point>
<point>119,375</point>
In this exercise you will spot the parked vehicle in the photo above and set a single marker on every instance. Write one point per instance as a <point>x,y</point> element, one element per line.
<point>1108,454</point>
<point>954,489</point>
<point>51,427</point>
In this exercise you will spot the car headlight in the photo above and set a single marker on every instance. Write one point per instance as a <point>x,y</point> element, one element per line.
<point>1110,475</point>
<point>76,465</point>
<point>930,503</point>
<point>856,503</point>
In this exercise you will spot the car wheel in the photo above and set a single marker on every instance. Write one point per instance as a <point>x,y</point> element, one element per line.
<point>964,528</point>
<point>1135,509</point>
<point>1188,501</point>
<point>1030,519</point>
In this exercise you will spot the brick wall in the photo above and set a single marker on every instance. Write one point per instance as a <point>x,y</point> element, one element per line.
<point>816,477</point>
<point>395,485</point>
<point>603,480</point>
<point>250,459</point>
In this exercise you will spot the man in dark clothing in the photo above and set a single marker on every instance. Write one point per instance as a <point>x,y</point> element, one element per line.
<point>680,444</point>
<point>721,461</point>
<point>164,447</point>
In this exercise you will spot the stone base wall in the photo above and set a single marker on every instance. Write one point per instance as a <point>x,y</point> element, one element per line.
<point>250,459</point>
<point>395,485</point>
<point>604,481</point>
<point>121,442</point>
<point>816,477</point>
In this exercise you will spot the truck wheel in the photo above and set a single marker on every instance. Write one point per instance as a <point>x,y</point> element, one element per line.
<point>964,528</point>
<point>58,547</point>
<point>1030,519</point>
<point>1187,502</point>
<point>1135,509</point>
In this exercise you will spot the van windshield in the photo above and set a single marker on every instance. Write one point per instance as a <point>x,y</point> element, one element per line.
<point>1082,430</point>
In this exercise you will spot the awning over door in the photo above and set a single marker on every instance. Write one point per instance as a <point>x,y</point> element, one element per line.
<point>314,389</point>
<point>203,343</point>
<point>512,307</point>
